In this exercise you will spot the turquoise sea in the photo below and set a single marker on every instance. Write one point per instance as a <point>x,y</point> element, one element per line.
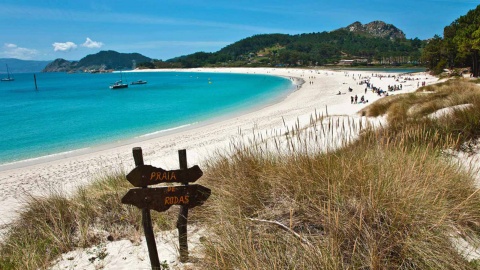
<point>74,111</point>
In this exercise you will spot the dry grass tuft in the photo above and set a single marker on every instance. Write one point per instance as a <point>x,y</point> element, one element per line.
<point>56,224</point>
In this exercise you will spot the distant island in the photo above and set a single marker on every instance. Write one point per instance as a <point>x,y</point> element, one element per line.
<point>104,61</point>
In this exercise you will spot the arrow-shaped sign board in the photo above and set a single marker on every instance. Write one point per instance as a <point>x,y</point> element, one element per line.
<point>146,175</point>
<point>161,198</point>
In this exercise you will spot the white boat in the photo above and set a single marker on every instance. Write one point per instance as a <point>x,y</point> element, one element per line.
<point>8,79</point>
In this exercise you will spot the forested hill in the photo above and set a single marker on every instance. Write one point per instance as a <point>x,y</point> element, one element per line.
<point>104,60</point>
<point>459,47</point>
<point>376,42</point>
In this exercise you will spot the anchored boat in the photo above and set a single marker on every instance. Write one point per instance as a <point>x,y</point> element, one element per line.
<point>119,84</point>
<point>138,82</point>
<point>8,79</point>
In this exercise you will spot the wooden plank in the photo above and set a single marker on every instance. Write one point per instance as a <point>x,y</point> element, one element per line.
<point>147,219</point>
<point>162,198</point>
<point>146,175</point>
<point>183,214</point>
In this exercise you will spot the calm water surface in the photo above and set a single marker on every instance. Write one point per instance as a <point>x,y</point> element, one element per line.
<point>72,111</point>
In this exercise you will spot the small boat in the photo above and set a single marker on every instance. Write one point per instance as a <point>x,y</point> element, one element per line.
<point>8,79</point>
<point>118,84</point>
<point>138,82</point>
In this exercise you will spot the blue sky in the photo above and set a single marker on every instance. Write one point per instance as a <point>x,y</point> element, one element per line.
<point>162,29</point>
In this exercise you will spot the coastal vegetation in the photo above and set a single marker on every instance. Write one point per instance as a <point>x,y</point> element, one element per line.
<point>376,42</point>
<point>390,199</point>
<point>459,46</point>
<point>101,61</point>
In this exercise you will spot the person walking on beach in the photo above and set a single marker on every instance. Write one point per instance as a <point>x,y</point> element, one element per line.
<point>351,99</point>
<point>356,98</point>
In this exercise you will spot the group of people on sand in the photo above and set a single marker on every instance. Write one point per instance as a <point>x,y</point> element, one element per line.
<point>365,80</point>
<point>395,87</point>
<point>354,100</point>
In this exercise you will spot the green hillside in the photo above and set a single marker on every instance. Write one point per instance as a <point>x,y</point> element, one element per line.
<point>112,60</point>
<point>104,60</point>
<point>382,45</point>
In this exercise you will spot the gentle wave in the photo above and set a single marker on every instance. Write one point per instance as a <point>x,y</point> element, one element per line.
<point>164,131</point>
<point>40,159</point>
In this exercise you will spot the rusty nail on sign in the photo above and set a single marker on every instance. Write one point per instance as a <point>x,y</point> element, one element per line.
<point>146,175</point>
<point>160,199</point>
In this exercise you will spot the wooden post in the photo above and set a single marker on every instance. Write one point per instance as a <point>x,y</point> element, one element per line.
<point>183,214</point>
<point>147,219</point>
<point>35,80</point>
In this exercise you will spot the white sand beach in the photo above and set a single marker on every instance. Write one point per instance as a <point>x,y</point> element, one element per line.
<point>318,93</point>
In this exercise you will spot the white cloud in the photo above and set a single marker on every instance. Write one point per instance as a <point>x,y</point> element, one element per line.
<point>92,44</point>
<point>13,51</point>
<point>64,47</point>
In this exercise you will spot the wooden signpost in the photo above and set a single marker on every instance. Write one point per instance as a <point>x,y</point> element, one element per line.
<point>146,175</point>
<point>162,198</point>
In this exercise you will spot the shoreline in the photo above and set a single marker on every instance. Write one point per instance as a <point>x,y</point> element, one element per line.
<point>317,93</point>
<point>148,136</point>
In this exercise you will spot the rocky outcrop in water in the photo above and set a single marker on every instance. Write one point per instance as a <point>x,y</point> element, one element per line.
<point>60,65</point>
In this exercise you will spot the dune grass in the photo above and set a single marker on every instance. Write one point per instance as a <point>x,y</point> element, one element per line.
<point>366,206</point>
<point>477,81</point>
<point>410,112</point>
<point>425,100</point>
<point>388,200</point>
<point>50,226</point>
